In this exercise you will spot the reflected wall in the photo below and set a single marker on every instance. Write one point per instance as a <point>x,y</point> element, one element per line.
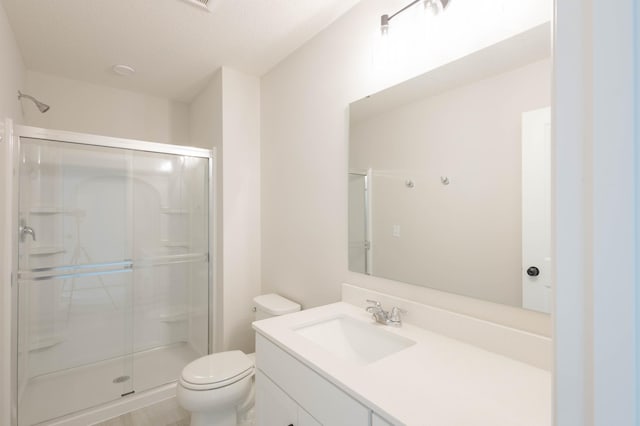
<point>446,183</point>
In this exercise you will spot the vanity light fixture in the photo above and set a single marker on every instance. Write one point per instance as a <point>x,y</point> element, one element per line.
<point>432,6</point>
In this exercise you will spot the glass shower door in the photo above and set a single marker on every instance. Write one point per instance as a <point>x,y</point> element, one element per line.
<point>75,278</point>
<point>113,289</point>
<point>170,237</point>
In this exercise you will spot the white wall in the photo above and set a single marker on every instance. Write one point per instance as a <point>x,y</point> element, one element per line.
<point>596,212</point>
<point>88,108</point>
<point>205,131</point>
<point>305,137</point>
<point>11,80</point>
<point>241,205</point>
<point>12,76</point>
<point>205,115</point>
<point>227,115</point>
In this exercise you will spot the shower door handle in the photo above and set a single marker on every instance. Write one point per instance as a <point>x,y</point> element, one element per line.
<point>27,230</point>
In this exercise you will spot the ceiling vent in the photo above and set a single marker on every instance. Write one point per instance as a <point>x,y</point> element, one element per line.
<point>203,4</point>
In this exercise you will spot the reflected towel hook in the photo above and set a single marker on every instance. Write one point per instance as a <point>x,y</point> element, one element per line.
<point>444,180</point>
<point>409,183</point>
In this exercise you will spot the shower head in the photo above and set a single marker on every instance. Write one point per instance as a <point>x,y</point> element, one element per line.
<point>41,106</point>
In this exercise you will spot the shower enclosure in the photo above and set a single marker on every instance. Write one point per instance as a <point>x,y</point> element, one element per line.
<point>112,271</point>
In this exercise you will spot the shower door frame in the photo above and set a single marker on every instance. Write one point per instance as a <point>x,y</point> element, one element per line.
<point>12,134</point>
<point>368,222</point>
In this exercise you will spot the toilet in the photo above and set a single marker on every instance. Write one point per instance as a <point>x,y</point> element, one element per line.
<point>218,389</point>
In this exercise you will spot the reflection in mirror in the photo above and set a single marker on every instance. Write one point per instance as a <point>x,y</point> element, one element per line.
<point>449,176</point>
<point>359,223</point>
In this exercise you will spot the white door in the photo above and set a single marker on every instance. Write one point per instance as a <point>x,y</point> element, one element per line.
<point>536,210</point>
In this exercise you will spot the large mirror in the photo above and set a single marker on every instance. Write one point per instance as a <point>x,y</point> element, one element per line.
<point>449,176</point>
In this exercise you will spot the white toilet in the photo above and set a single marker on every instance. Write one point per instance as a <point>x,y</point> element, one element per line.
<point>217,389</point>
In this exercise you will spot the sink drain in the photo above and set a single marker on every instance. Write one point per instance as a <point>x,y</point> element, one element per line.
<point>121,379</point>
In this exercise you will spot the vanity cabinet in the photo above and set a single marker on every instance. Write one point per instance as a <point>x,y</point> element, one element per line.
<point>376,420</point>
<point>290,393</point>
<point>276,408</point>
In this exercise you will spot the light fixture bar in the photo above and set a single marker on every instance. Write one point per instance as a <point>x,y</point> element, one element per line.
<point>385,19</point>
<point>204,4</point>
<point>389,18</point>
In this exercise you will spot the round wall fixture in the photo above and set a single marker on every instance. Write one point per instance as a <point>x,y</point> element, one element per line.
<point>124,70</point>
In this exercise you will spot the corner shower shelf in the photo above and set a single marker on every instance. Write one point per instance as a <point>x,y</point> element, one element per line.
<point>171,317</point>
<point>45,251</point>
<point>46,343</point>
<point>183,244</point>
<point>48,210</point>
<point>166,210</point>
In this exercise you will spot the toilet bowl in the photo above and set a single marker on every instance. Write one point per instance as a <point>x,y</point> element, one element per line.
<point>212,387</point>
<point>218,389</point>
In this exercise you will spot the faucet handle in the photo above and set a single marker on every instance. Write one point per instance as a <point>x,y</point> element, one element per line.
<point>375,306</point>
<point>396,314</point>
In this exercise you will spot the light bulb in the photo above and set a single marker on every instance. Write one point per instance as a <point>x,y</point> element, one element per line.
<point>433,7</point>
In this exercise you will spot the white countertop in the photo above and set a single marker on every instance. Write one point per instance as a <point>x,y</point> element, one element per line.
<point>438,381</point>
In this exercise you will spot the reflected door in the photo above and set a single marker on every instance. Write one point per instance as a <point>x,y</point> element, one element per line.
<point>536,210</point>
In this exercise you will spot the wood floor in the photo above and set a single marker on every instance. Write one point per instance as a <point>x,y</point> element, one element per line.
<point>165,413</point>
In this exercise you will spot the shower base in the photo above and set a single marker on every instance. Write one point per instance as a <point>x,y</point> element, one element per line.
<point>87,390</point>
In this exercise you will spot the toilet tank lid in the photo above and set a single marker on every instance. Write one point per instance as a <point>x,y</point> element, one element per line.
<point>274,304</point>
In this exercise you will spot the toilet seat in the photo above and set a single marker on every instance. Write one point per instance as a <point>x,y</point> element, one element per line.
<point>216,370</point>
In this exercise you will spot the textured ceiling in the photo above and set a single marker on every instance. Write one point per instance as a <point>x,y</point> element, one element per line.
<point>174,46</point>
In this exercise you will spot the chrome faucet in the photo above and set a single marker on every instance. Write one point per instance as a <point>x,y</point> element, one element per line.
<point>381,316</point>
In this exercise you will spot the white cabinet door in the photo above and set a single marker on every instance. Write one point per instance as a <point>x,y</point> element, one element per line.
<point>324,401</point>
<point>276,408</point>
<point>378,421</point>
<point>305,419</point>
<point>273,406</point>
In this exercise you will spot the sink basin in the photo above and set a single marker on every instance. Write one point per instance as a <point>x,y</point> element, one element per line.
<point>354,340</point>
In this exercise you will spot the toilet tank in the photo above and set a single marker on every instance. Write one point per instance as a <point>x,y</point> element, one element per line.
<point>271,305</point>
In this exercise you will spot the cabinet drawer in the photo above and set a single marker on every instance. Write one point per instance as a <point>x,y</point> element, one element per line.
<point>324,401</point>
